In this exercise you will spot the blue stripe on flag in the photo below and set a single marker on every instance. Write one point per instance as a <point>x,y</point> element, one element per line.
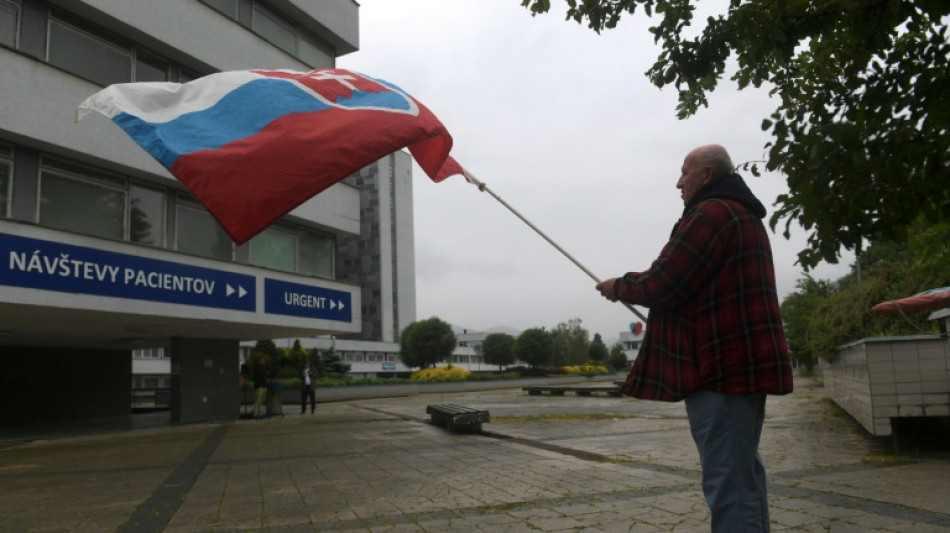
<point>241,113</point>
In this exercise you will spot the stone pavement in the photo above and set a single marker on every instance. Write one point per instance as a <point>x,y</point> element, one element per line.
<point>548,464</point>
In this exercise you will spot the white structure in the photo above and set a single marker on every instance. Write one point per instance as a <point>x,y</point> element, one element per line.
<point>102,252</point>
<point>632,339</point>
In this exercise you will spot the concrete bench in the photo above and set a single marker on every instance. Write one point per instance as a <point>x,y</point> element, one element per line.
<point>458,418</point>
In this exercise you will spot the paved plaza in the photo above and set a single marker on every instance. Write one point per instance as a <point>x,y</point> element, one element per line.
<point>544,464</point>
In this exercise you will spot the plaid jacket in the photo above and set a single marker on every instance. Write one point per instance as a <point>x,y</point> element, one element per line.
<point>714,321</point>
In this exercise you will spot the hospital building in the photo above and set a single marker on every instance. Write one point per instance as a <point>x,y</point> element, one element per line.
<point>103,254</point>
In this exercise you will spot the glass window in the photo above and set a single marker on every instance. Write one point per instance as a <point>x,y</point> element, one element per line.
<point>199,233</point>
<point>150,67</point>
<point>6,169</point>
<point>81,205</point>
<point>9,15</point>
<point>316,255</point>
<point>88,55</point>
<point>274,248</point>
<point>228,7</point>
<point>315,53</point>
<point>146,216</point>
<point>274,30</point>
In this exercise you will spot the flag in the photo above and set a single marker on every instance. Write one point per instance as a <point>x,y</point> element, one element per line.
<point>253,145</point>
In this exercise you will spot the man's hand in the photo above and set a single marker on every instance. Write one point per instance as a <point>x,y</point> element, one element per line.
<point>606,289</point>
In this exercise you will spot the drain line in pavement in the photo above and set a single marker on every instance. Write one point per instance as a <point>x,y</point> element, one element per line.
<point>580,454</point>
<point>156,512</point>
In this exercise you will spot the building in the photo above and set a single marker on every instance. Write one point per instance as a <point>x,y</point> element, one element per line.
<point>632,339</point>
<point>380,259</point>
<point>102,252</point>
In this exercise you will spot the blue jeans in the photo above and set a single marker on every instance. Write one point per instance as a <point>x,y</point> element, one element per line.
<point>726,429</point>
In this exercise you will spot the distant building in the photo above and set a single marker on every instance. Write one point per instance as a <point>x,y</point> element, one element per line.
<point>632,339</point>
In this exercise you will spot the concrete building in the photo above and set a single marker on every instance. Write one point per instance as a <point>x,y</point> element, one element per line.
<point>102,252</point>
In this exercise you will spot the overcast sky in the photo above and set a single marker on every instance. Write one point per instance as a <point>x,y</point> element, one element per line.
<point>562,124</point>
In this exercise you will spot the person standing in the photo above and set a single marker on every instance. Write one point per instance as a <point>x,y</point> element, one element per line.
<point>260,387</point>
<point>306,391</point>
<point>714,334</point>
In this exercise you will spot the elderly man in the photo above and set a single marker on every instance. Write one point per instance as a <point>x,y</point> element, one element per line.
<point>714,333</point>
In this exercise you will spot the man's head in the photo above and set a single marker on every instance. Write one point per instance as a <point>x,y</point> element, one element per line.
<point>701,166</point>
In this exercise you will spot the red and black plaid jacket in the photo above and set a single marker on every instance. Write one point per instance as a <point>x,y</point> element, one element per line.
<point>714,321</point>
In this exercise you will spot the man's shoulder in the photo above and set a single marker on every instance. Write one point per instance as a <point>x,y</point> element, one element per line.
<point>722,209</point>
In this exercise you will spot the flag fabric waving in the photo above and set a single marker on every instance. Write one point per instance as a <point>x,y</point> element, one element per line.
<point>253,145</point>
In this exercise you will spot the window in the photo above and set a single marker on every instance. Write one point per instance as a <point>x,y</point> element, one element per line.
<point>95,55</point>
<point>294,40</point>
<point>227,7</point>
<point>85,54</point>
<point>301,251</point>
<point>198,233</point>
<point>9,17</point>
<point>6,179</point>
<point>76,199</point>
<point>313,52</point>
<point>316,255</point>
<point>150,67</point>
<point>274,248</point>
<point>146,216</point>
<point>279,33</point>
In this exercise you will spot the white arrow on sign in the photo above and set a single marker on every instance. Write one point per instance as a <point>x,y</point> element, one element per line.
<point>229,290</point>
<point>335,304</point>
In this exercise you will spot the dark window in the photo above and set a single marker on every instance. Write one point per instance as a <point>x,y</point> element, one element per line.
<point>146,216</point>
<point>88,55</point>
<point>199,233</point>
<point>9,19</point>
<point>82,203</point>
<point>6,171</point>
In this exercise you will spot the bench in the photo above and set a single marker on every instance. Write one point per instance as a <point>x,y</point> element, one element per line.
<point>579,391</point>
<point>458,418</point>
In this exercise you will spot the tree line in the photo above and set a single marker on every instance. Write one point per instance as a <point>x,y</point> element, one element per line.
<point>428,342</point>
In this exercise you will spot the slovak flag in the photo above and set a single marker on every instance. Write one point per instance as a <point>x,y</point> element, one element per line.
<point>253,145</point>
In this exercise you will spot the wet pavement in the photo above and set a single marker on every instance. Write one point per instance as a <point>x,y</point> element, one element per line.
<point>544,464</point>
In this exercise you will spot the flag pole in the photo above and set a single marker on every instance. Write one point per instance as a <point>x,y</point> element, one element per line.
<point>484,188</point>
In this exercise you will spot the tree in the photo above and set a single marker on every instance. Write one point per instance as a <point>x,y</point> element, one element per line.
<point>570,342</point>
<point>426,342</point>
<point>598,350</point>
<point>862,126</point>
<point>821,316</point>
<point>533,346</point>
<point>331,365</point>
<point>499,349</point>
<point>618,359</point>
<point>798,309</point>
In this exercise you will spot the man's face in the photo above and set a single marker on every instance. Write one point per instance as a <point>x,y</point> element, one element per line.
<point>692,178</point>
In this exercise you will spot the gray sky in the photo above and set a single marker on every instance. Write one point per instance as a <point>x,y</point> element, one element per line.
<point>562,124</point>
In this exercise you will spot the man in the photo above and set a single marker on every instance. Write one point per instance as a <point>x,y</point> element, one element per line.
<point>714,333</point>
<point>260,387</point>
<point>306,391</point>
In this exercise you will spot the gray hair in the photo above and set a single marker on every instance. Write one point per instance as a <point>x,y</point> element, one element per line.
<point>717,158</point>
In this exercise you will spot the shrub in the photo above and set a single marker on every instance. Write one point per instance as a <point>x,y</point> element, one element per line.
<point>441,373</point>
<point>586,370</point>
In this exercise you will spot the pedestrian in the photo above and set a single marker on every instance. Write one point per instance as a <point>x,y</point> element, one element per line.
<point>260,387</point>
<point>306,391</point>
<point>714,334</point>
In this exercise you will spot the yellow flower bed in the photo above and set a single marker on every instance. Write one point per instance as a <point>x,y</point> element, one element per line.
<point>441,373</point>
<point>586,370</point>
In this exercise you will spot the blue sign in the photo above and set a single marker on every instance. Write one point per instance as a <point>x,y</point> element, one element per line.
<point>389,366</point>
<point>294,299</point>
<point>53,266</point>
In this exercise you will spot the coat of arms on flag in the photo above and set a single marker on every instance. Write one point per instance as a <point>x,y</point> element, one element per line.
<point>253,145</point>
